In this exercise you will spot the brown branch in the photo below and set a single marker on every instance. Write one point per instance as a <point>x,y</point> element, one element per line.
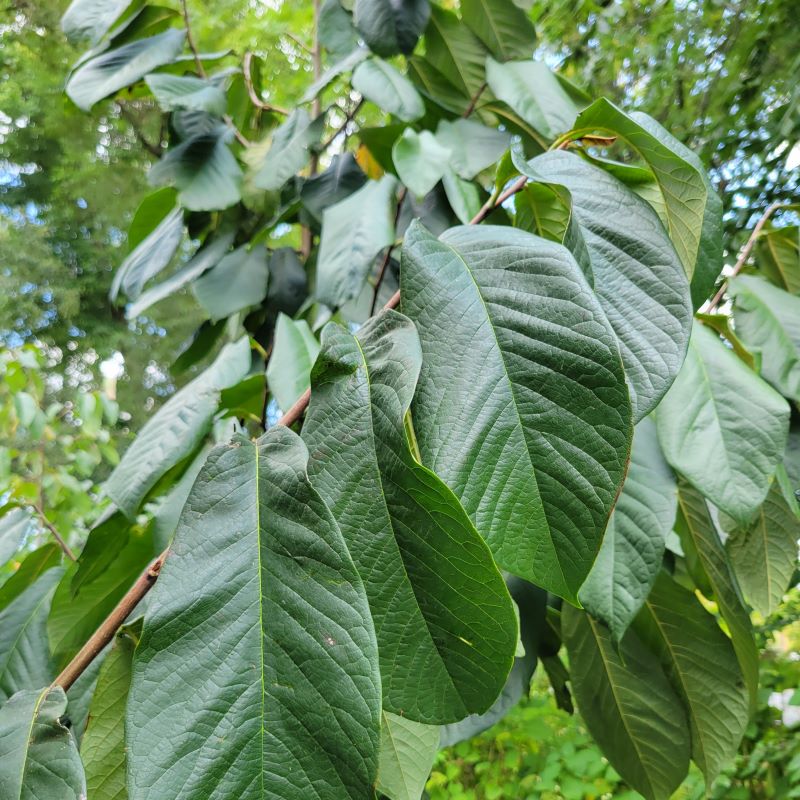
<point>190,39</point>
<point>744,255</point>
<point>56,535</point>
<point>474,101</point>
<point>247,66</point>
<point>385,263</point>
<point>105,633</point>
<point>316,108</point>
<point>341,129</point>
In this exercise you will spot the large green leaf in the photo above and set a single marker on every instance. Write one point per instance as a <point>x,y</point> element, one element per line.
<point>699,536</point>
<point>176,430</point>
<point>722,427</point>
<point>531,90</point>
<point>90,19</point>
<point>24,652</point>
<point>288,151</point>
<point>628,705</point>
<point>473,147</point>
<point>708,262</point>
<point>33,566</point>
<point>103,745</point>
<point>203,169</point>
<point>335,29</point>
<point>354,231</point>
<point>382,84</point>
<point>75,615</point>
<point>445,622</point>
<point>531,604</point>
<point>683,189</point>
<point>294,350</point>
<point>455,52</point>
<point>701,664</point>
<point>391,26</point>
<point>633,546</point>
<point>503,27</point>
<point>237,282</point>
<point>187,91</point>
<point>38,754</point>
<point>768,323</point>
<point>764,553</point>
<point>149,257</point>
<point>203,260</point>
<point>420,160</point>
<point>778,256</point>
<point>638,276</point>
<point>113,70</point>
<point>522,406</point>
<point>257,672</point>
<point>408,750</point>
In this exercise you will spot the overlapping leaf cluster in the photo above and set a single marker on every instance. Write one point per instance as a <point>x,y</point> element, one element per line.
<point>539,446</point>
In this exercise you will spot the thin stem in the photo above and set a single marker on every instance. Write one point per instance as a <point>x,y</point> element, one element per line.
<point>744,255</point>
<point>247,67</point>
<point>474,101</point>
<point>190,39</point>
<point>341,129</point>
<point>385,263</point>
<point>105,633</point>
<point>316,108</point>
<point>56,535</point>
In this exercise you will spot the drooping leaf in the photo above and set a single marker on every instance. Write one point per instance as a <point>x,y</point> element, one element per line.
<point>354,231</point>
<point>391,26</point>
<point>289,150</point>
<point>90,20</point>
<point>257,673</point>
<point>522,407</point>
<point>473,147</point>
<point>440,606</point>
<point>203,169</point>
<point>680,181</point>
<point>722,427</point>
<point>503,27</point>
<point>203,260</point>
<point>150,257</point>
<point>335,29</point>
<point>24,652</point>
<point>38,754</point>
<point>33,566</point>
<point>531,90</point>
<point>237,282</point>
<point>294,351</point>
<point>14,526</point>
<point>455,53</point>
<point>698,533</point>
<point>628,705</point>
<point>778,256</point>
<point>339,181</point>
<point>175,431</point>
<point>768,324</point>
<point>764,552</point>
<point>633,545</point>
<point>701,664</point>
<point>187,91</point>
<point>288,283</point>
<point>103,745</point>
<point>113,70</point>
<point>433,85</point>
<point>638,276</point>
<point>379,82</point>
<point>74,616</point>
<point>531,603</point>
<point>408,750</point>
<point>420,160</point>
<point>463,196</point>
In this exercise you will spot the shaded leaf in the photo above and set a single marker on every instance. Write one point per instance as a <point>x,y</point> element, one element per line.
<point>391,26</point>
<point>778,256</point>
<point>339,181</point>
<point>408,750</point>
<point>336,31</point>
<point>289,150</point>
<point>391,91</point>
<point>33,566</point>
<point>503,27</point>
<point>294,351</point>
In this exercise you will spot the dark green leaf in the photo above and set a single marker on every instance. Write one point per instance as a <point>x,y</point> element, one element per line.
<point>150,212</point>
<point>294,351</point>
<point>289,150</point>
<point>628,705</point>
<point>391,91</point>
<point>336,31</point>
<point>339,181</point>
<point>33,566</point>
<point>503,27</point>
<point>391,26</point>
<point>522,407</point>
<point>288,285</point>
<point>426,570</point>
<point>778,256</point>
<point>638,276</point>
<point>257,671</point>
<point>237,282</point>
<point>633,546</point>
<point>113,70</point>
<point>722,427</point>
<point>38,754</point>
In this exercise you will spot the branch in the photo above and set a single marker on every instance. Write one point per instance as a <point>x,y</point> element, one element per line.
<point>105,633</point>
<point>190,39</point>
<point>56,535</point>
<point>385,263</point>
<point>474,101</point>
<point>251,92</point>
<point>744,255</point>
<point>153,149</point>
<point>341,129</point>
<point>307,239</point>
